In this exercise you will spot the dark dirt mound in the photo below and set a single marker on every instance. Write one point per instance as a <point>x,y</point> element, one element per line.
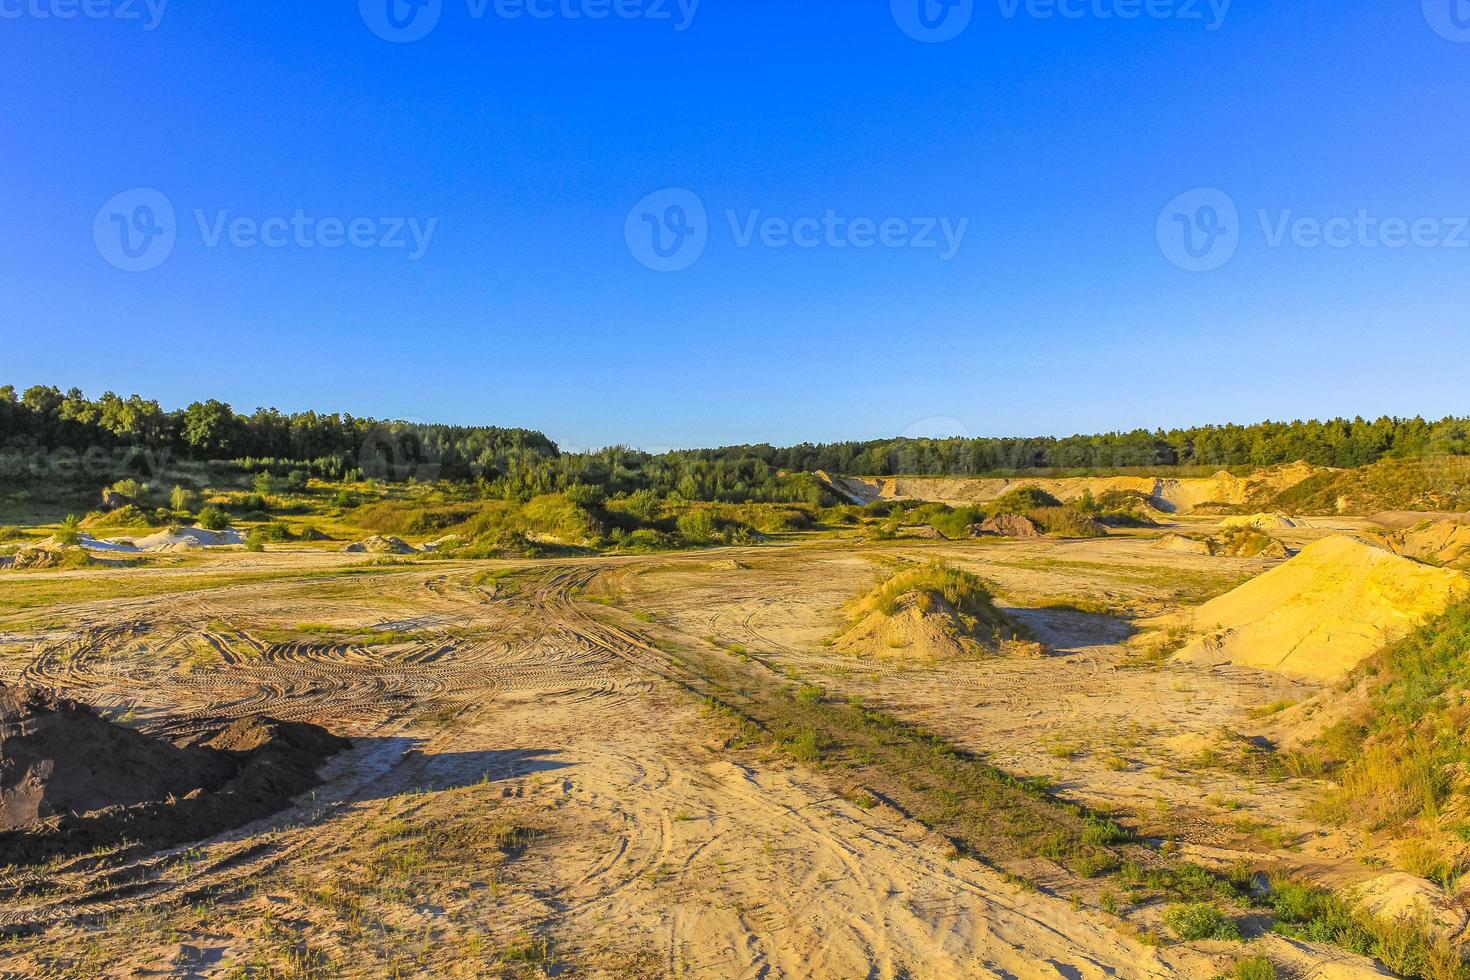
<point>57,756</point>
<point>1010,526</point>
<point>71,781</point>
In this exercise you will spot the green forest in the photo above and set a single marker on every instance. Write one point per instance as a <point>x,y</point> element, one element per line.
<point>51,434</point>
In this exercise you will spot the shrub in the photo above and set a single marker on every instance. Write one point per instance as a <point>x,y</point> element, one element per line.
<point>1066,522</point>
<point>69,534</point>
<point>643,506</point>
<point>275,531</point>
<point>131,489</point>
<point>586,496</point>
<point>698,527</point>
<point>1254,968</point>
<point>1198,921</point>
<point>128,515</point>
<point>183,500</point>
<point>213,519</point>
<point>1021,500</point>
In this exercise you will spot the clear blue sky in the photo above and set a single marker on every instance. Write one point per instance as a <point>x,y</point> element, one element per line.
<point>1060,140</point>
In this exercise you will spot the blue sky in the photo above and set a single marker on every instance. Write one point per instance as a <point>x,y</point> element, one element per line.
<point>525,142</point>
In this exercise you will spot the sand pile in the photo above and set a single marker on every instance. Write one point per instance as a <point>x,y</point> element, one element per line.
<point>44,555</point>
<point>1235,543</point>
<point>934,612</point>
<point>71,781</point>
<point>189,538</point>
<point>1185,545</point>
<point>1009,526</point>
<point>1263,522</point>
<point>1440,542</point>
<point>1323,612</point>
<point>380,544</point>
<point>175,539</point>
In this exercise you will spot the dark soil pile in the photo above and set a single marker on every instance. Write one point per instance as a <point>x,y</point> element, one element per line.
<point>1009,526</point>
<point>71,781</point>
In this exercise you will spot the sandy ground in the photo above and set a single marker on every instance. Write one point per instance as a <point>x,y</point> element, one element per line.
<point>531,791</point>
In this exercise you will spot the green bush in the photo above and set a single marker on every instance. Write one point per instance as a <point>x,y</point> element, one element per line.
<point>1198,921</point>
<point>698,527</point>
<point>643,506</point>
<point>1021,500</point>
<point>276,531</point>
<point>1254,968</point>
<point>213,519</point>
<point>69,534</point>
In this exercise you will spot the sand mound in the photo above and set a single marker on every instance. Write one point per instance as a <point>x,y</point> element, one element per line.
<point>934,612</point>
<point>1440,542</point>
<point>189,537</point>
<point>177,539</point>
<point>1185,544</point>
<point>46,555</point>
<point>71,781</point>
<point>109,765</point>
<point>1323,612</point>
<point>1010,526</point>
<point>380,544</point>
<point>1263,522</point>
<point>1400,896</point>
<point>1400,520</point>
<point>1236,543</point>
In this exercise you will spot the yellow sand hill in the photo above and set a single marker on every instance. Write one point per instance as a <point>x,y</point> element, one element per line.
<point>1323,612</point>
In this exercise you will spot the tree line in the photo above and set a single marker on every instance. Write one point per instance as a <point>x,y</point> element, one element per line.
<point>521,463</point>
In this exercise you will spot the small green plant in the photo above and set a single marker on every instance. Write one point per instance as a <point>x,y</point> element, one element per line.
<point>1254,968</point>
<point>1200,920</point>
<point>183,500</point>
<point>69,534</point>
<point>805,747</point>
<point>213,519</point>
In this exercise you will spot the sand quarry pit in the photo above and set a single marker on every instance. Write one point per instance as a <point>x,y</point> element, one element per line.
<point>637,766</point>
